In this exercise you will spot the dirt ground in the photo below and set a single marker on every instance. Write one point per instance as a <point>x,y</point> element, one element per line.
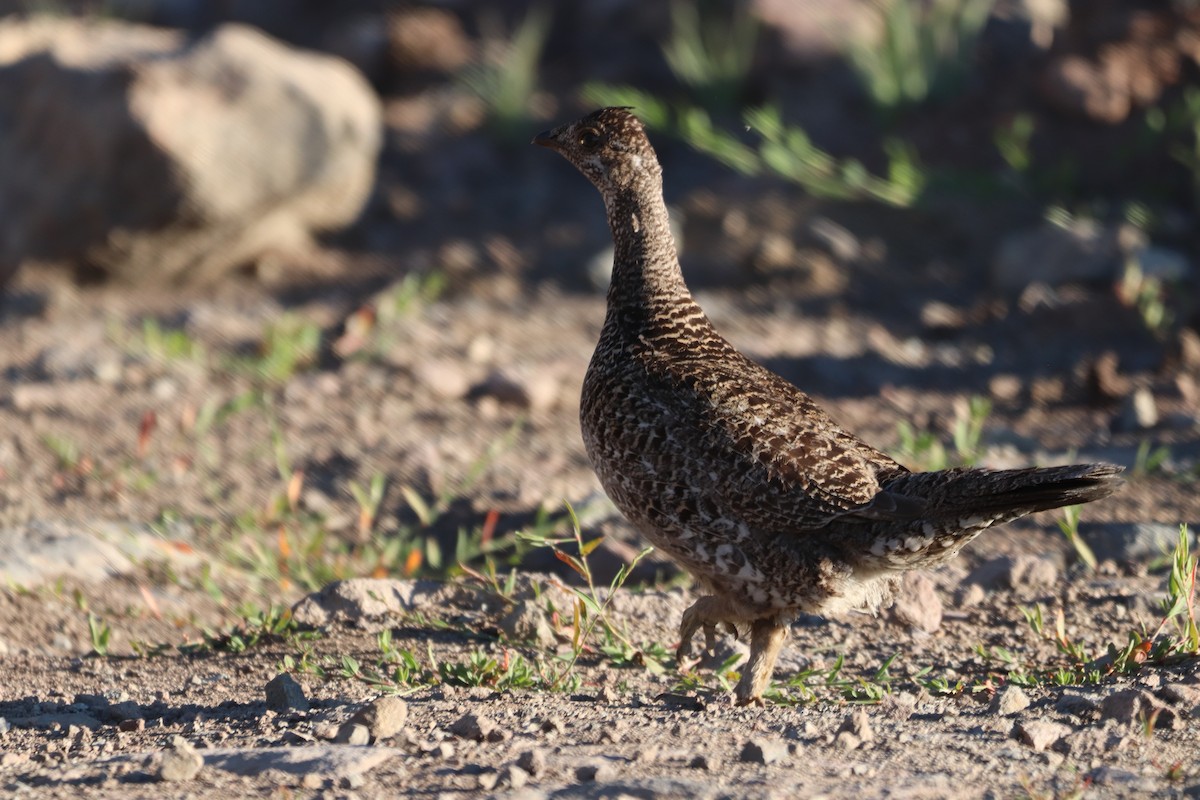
<point>179,469</point>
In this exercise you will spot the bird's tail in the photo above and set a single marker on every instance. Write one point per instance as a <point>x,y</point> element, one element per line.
<point>1007,493</point>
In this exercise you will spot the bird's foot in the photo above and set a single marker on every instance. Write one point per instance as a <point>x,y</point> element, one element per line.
<point>707,614</point>
<point>766,638</point>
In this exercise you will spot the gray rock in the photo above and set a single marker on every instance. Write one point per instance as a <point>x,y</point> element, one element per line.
<point>1131,541</point>
<point>917,603</point>
<point>1009,700</point>
<point>1040,734</point>
<point>1136,707</point>
<point>476,727</point>
<point>1082,250</point>
<point>372,604</point>
<point>763,751</point>
<point>1076,703</point>
<point>43,550</point>
<point>847,740</point>
<point>383,717</point>
<point>1184,695</point>
<point>1138,412</point>
<point>527,622</point>
<point>1022,572</point>
<point>180,762</point>
<point>839,241</point>
<point>533,762</point>
<point>353,733</point>
<point>285,694</point>
<point>328,759</point>
<point>859,724</point>
<point>169,175</point>
<point>599,772</point>
<point>1162,263</point>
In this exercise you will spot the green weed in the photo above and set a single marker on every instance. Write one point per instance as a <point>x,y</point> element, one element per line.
<point>590,608</point>
<point>783,150</point>
<point>710,55</point>
<point>926,50</point>
<point>1069,525</point>
<point>506,80</point>
<point>100,633</point>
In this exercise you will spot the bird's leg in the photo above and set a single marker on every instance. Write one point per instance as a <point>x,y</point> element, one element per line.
<point>766,638</point>
<point>708,612</point>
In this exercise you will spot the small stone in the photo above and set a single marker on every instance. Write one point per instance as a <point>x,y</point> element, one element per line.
<point>705,762</point>
<point>312,781</point>
<point>841,243</point>
<point>847,740</point>
<point>595,773</point>
<point>606,695</point>
<point>353,733</point>
<point>488,780</point>
<point>532,762</point>
<point>383,717</point>
<point>1040,734</point>
<point>917,603</point>
<point>1005,387</point>
<point>971,595</point>
<point>1009,700</point>
<point>1181,694</point>
<point>1022,572</point>
<point>858,723</point>
<point>899,706</point>
<point>181,762</point>
<point>476,727</point>
<point>131,725</point>
<point>285,694</point>
<point>1076,703</point>
<point>527,622</point>
<point>515,777</point>
<point>553,726</point>
<point>763,751</point>
<point>1137,707</point>
<point>1138,412</point>
<point>1130,541</point>
<point>353,780</point>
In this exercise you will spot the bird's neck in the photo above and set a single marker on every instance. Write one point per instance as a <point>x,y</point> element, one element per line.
<point>646,271</point>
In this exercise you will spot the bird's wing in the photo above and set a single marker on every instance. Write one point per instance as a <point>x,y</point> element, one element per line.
<point>790,466</point>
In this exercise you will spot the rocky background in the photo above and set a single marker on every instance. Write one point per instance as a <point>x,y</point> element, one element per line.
<point>293,322</point>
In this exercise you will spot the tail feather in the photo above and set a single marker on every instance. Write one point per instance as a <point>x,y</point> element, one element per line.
<point>1007,493</point>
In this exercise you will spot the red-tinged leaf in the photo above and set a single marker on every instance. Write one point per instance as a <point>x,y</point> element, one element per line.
<point>145,431</point>
<point>413,562</point>
<point>489,526</point>
<point>570,561</point>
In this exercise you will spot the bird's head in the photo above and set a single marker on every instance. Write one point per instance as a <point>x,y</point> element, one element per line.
<point>609,146</point>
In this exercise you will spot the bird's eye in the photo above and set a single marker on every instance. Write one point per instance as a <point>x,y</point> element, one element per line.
<point>589,138</point>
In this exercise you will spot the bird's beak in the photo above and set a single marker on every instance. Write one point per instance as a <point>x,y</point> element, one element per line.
<point>546,139</point>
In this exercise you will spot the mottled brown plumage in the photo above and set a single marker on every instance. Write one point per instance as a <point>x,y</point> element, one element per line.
<point>735,473</point>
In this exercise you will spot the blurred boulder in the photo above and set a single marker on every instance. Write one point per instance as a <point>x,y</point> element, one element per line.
<point>1081,251</point>
<point>156,160</point>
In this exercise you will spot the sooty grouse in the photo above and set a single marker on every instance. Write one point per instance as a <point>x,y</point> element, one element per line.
<point>738,475</point>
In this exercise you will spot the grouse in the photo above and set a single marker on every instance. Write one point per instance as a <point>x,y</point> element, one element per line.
<point>735,473</point>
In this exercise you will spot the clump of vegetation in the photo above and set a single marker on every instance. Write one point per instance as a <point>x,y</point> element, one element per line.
<point>591,606</point>
<point>506,80</point>
<point>711,55</point>
<point>782,150</point>
<point>924,451</point>
<point>925,50</point>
